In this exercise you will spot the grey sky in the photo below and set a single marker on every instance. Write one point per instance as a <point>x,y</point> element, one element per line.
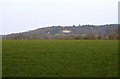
<point>23,15</point>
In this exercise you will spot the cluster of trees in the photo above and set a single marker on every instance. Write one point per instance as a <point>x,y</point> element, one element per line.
<point>92,37</point>
<point>112,36</point>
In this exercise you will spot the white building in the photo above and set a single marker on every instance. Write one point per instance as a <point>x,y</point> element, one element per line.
<point>66,31</point>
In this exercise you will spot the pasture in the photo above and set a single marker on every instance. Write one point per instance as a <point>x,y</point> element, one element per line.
<point>60,58</point>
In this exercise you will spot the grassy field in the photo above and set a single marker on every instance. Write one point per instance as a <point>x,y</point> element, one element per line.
<point>60,58</point>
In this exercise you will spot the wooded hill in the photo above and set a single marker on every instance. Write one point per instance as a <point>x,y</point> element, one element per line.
<point>68,32</point>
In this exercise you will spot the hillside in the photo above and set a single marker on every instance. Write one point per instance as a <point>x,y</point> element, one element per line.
<point>68,32</point>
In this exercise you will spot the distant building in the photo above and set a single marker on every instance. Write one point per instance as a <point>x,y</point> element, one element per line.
<point>66,31</point>
<point>48,33</point>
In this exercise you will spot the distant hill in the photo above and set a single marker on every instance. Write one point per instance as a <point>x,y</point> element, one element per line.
<point>68,32</point>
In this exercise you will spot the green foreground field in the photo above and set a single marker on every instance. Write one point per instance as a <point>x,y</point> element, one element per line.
<point>60,58</point>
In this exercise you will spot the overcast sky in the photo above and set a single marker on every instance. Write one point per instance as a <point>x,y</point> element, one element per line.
<point>23,15</point>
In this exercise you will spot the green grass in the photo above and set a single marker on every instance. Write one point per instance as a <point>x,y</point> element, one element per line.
<point>60,58</point>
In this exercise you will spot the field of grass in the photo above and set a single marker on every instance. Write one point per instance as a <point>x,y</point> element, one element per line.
<point>60,58</point>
